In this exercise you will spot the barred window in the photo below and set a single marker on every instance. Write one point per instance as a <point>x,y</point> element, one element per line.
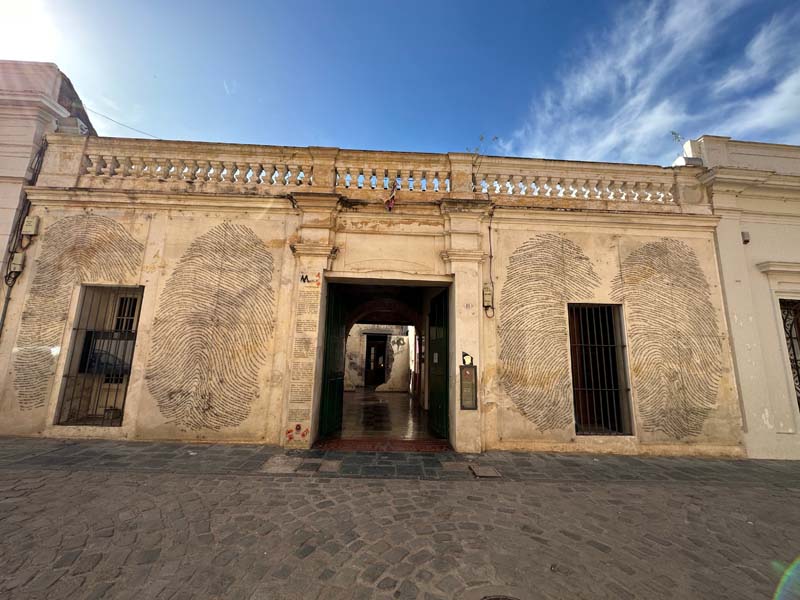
<point>99,365</point>
<point>790,313</point>
<point>599,382</point>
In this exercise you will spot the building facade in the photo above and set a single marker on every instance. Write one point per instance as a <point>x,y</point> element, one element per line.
<point>755,190</point>
<point>199,291</point>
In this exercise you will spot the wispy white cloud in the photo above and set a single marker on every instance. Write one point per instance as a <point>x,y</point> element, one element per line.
<point>775,42</point>
<point>649,74</point>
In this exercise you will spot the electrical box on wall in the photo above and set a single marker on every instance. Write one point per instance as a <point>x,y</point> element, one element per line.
<point>17,262</point>
<point>30,226</point>
<point>488,300</point>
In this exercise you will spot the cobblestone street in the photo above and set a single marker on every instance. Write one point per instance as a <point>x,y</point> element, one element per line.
<point>157,520</point>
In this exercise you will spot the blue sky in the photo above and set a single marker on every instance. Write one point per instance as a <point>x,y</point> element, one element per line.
<point>577,80</point>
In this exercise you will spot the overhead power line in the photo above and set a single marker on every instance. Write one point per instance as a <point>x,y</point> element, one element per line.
<point>99,114</point>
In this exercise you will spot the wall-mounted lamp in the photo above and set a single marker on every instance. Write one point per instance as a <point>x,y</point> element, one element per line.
<point>466,359</point>
<point>745,237</point>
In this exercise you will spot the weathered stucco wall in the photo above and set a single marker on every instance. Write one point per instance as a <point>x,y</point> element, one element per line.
<point>205,355</point>
<point>235,256</point>
<point>679,366</point>
<point>398,372</point>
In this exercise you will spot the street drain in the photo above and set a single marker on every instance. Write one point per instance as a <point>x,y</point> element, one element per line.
<point>499,598</point>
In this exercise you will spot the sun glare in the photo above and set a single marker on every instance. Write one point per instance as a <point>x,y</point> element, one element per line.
<point>28,31</point>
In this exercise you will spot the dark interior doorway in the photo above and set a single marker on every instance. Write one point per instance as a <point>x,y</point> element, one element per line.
<point>378,407</point>
<point>375,361</point>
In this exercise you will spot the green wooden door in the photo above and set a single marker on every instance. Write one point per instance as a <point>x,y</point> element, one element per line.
<point>438,388</point>
<point>333,365</point>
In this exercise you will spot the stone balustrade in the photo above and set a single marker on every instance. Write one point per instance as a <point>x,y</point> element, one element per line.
<point>155,165</point>
<point>497,176</point>
<point>276,170</point>
<point>385,171</point>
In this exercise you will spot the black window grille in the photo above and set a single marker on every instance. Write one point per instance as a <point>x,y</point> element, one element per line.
<point>599,382</point>
<point>99,365</point>
<point>790,312</point>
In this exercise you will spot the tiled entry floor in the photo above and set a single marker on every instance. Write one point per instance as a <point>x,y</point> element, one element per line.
<point>382,415</point>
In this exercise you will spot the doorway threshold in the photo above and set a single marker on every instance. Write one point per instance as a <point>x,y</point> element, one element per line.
<point>383,445</point>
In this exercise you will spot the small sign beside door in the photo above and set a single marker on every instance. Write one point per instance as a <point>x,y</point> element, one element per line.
<point>469,387</point>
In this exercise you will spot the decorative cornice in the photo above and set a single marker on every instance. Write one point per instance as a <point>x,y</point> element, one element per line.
<point>94,198</point>
<point>774,267</point>
<point>737,181</point>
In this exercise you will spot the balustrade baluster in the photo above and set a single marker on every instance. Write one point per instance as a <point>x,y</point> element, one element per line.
<point>540,186</point>
<point>602,190</point>
<point>640,191</point>
<point>625,190</point>
<point>190,172</point>
<point>137,167</point>
<point>151,164</point>
<point>228,171</point>
<point>514,184</point>
<point>242,169</point>
<point>216,171</point>
<point>566,187</point>
<point>552,187</point>
<point>107,170</point>
<point>505,184</point>
<point>616,192</point>
<point>607,189</point>
<point>588,189</point>
<point>176,172</point>
<point>163,167</point>
<point>255,173</point>
<point>202,170</point>
<point>270,176</point>
<point>123,166</point>
<point>669,193</point>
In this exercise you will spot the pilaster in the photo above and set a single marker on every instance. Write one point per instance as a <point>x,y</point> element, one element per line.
<point>463,258</point>
<point>313,251</point>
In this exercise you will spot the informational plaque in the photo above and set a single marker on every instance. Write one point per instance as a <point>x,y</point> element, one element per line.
<point>469,387</point>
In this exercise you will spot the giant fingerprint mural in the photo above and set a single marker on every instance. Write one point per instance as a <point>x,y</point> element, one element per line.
<point>210,332</point>
<point>673,337</point>
<point>81,248</point>
<point>544,274</point>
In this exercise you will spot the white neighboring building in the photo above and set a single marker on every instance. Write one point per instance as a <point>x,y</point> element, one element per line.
<point>755,191</point>
<point>35,99</point>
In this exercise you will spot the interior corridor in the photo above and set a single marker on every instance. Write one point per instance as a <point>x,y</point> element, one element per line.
<point>382,415</point>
